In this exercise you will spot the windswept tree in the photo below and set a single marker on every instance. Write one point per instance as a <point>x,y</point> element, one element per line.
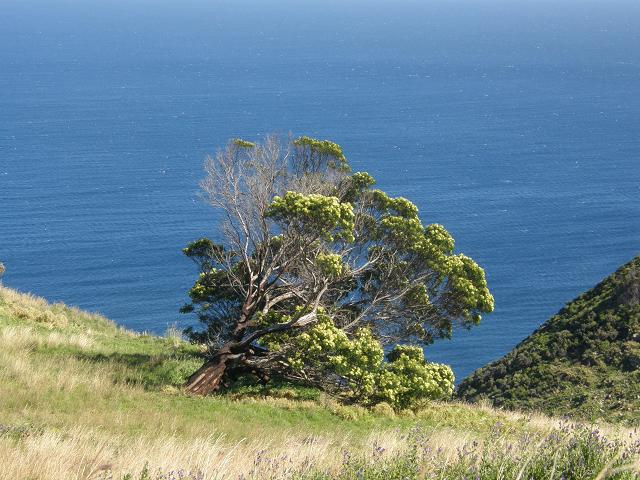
<point>314,271</point>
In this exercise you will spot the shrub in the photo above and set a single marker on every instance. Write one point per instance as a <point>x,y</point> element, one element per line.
<point>401,381</point>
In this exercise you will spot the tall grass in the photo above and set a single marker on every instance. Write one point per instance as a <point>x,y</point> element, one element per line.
<point>83,399</point>
<point>571,453</point>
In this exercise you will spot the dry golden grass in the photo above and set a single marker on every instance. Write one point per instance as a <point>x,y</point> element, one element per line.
<point>81,453</point>
<point>17,363</point>
<point>27,338</point>
<point>67,413</point>
<point>32,309</point>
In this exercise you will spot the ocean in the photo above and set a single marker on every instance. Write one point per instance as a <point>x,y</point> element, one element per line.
<point>516,124</point>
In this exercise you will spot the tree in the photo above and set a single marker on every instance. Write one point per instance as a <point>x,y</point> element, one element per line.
<point>307,248</point>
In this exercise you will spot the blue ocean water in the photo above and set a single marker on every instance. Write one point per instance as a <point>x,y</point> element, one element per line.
<point>515,124</point>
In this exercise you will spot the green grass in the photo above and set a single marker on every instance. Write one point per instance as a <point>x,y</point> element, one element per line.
<point>142,375</point>
<point>83,398</point>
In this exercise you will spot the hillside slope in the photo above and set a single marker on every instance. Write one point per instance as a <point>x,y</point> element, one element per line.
<point>583,362</point>
<point>81,398</point>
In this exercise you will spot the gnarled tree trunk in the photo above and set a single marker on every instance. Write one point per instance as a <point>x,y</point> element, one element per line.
<point>208,378</point>
<point>232,356</point>
<point>225,366</point>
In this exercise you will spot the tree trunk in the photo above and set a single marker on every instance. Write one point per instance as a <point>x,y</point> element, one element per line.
<point>208,378</point>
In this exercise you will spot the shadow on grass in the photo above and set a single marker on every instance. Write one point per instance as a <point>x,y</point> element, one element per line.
<point>150,371</point>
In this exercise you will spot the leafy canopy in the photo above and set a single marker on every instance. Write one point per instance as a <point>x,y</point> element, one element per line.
<point>316,271</point>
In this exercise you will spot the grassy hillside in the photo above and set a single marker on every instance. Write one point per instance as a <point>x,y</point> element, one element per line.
<point>81,398</point>
<point>584,361</point>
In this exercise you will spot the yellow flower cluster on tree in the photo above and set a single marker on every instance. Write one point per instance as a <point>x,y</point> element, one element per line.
<point>202,286</point>
<point>359,360</point>
<point>402,226</point>
<point>330,241</point>
<point>408,378</point>
<point>238,142</point>
<point>468,280</point>
<point>330,264</point>
<point>320,212</point>
<point>324,147</point>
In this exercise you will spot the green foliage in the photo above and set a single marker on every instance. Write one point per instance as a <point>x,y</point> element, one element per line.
<point>584,361</point>
<point>202,248</point>
<point>238,142</point>
<point>330,264</point>
<point>433,288</point>
<point>317,212</point>
<point>402,381</point>
<point>325,148</point>
<point>468,282</point>
<point>407,379</point>
<point>400,226</point>
<point>356,184</point>
<point>302,234</point>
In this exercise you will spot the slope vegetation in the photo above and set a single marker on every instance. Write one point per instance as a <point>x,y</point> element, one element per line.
<point>583,362</point>
<point>81,398</point>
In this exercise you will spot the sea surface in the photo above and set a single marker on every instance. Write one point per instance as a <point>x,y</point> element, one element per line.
<point>516,124</point>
